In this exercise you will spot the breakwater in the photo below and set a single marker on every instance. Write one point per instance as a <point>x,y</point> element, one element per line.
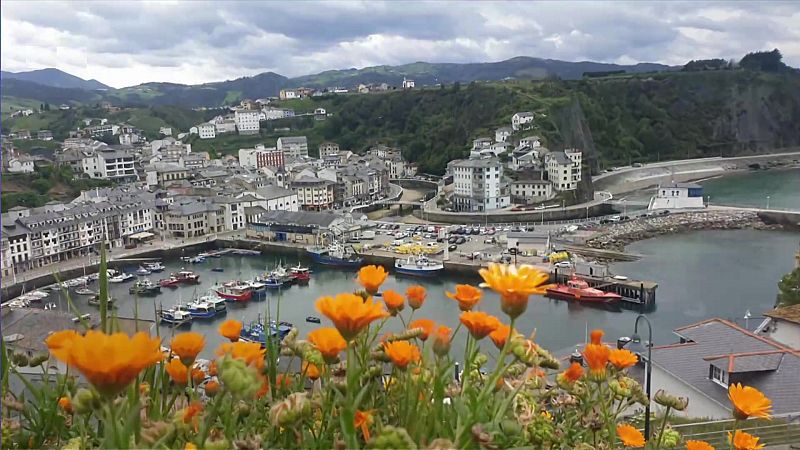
<point>617,236</point>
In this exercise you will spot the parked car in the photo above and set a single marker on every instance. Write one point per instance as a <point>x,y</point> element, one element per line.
<point>564,265</point>
<point>461,240</point>
<point>452,247</point>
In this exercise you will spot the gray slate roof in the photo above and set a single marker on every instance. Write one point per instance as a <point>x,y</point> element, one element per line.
<point>561,158</point>
<point>299,218</point>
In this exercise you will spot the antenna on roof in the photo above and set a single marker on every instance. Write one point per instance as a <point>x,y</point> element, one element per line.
<point>747,317</point>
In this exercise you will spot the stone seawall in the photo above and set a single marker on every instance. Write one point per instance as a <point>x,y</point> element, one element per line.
<point>546,215</point>
<point>617,236</point>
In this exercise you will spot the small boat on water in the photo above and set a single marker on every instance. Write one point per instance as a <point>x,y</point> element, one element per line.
<point>171,282</point>
<point>145,287</point>
<point>218,269</point>
<point>199,309</point>
<point>418,266</point>
<point>312,319</point>
<point>300,274</point>
<point>175,317</point>
<point>95,301</point>
<point>579,290</point>
<point>193,259</point>
<point>121,278</point>
<point>18,304</point>
<point>85,291</point>
<point>142,271</point>
<point>154,266</point>
<point>335,254</point>
<point>256,285</point>
<point>215,300</point>
<point>257,332</point>
<point>93,277</point>
<point>187,277</point>
<point>235,292</point>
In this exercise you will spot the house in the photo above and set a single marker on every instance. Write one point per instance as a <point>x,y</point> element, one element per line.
<point>783,325</point>
<point>270,113</point>
<point>522,121</point>
<point>271,198</point>
<point>530,191</point>
<point>22,134</point>
<point>194,160</point>
<point>713,354</point>
<point>129,138</point>
<point>27,112</point>
<point>63,107</point>
<point>247,121</point>
<point>44,135</point>
<point>477,185</point>
<point>320,112</point>
<point>328,149</point>
<point>225,126</point>
<point>21,164</point>
<point>408,83</point>
<point>502,134</point>
<point>111,163</point>
<point>530,141</point>
<point>190,217</point>
<point>524,159</point>
<point>564,169</point>
<point>288,94</point>
<point>481,143</point>
<point>207,131</point>
<point>165,131</point>
<point>677,196</point>
<point>293,146</point>
<point>313,194</point>
<point>260,156</point>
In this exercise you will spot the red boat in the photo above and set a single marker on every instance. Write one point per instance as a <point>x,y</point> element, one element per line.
<point>186,276</point>
<point>579,290</point>
<point>300,274</point>
<point>234,292</point>
<point>169,282</point>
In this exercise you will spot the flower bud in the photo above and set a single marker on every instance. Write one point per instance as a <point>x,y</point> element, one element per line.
<point>158,431</point>
<point>38,359</point>
<point>216,444</point>
<point>287,412</point>
<point>239,378</point>
<point>391,438</point>
<point>85,401</point>
<point>671,401</point>
<point>19,359</point>
<point>441,444</point>
<point>243,409</point>
<point>620,388</point>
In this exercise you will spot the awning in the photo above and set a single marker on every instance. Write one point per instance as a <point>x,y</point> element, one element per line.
<point>141,235</point>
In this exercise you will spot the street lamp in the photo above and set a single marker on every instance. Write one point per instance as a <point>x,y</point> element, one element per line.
<point>637,347</point>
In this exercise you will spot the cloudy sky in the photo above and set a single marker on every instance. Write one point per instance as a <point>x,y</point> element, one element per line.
<point>126,43</point>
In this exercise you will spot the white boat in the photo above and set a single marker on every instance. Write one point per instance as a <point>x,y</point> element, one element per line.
<point>85,291</point>
<point>121,278</point>
<point>175,317</point>
<point>418,266</point>
<point>143,271</point>
<point>17,304</point>
<point>154,266</point>
<point>215,300</point>
<point>37,295</point>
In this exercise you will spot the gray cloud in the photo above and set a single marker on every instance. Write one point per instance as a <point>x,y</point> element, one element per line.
<point>124,43</point>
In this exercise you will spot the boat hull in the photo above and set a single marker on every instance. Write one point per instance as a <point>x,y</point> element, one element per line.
<point>328,260</point>
<point>564,295</point>
<point>203,314</point>
<point>419,272</point>
<point>243,297</point>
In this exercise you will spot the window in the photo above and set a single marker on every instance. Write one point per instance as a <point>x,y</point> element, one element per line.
<point>719,376</point>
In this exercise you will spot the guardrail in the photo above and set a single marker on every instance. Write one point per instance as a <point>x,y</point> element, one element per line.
<point>782,429</point>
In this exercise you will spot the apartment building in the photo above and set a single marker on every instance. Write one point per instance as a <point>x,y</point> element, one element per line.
<point>260,156</point>
<point>247,121</point>
<point>293,146</point>
<point>328,149</point>
<point>314,194</point>
<point>110,164</point>
<point>477,185</point>
<point>564,169</point>
<point>530,191</point>
<point>207,131</point>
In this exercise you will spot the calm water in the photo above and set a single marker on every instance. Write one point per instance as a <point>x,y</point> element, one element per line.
<point>752,189</point>
<point>702,274</point>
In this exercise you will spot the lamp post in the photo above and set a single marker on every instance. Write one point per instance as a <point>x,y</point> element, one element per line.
<point>637,348</point>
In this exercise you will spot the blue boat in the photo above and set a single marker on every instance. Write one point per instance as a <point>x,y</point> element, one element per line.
<point>256,332</point>
<point>175,317</point>
<point>336,255</point>
<point>418,266</point>
<point>199,310</point>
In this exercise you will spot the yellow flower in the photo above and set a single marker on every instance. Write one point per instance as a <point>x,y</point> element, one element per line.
<point>630,436</point>
<point>622,358</point>
<point>515,285</point>
<point>187,346</point>
<point>371,278</point>
<point>231,329</point>
<point>250,352</point>
<point>416,296</point>
<point>190,446</point>
<point>65,403</point>
<point>441,340</point>
<point>479,323</point>
<point>350,313</point>
<point>394,301</point>
<point>744,441</point>
<point>748,402</point>
<point>109,362</point>
<point>425,324</point>
<point>402,353</point>
<point>698,445</point>
<point>363,419</point>
<point>329,342</point>
<point>177,372</point>
<point>500,335</point>
<point>467,296</point>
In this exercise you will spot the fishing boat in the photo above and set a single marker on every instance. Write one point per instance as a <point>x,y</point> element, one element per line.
<point>142,271</point>
<point>18,304</point>
<point>280,274</point>
<point>336,255</point>
<point>187,277</point>
<point>171,282</point>
<point>218,269</point>
<point>418,266</point>
<point>199,310</point>
<point>95,301</point>
<point>256,285</point>
<point>84,291</point>
<point>154,266</point>
<point>235,292</point>
<point>144,287</point>
<point>215,300</point>
<point>121,278</point>
<point>300,274</point>
<point>579,290</point>
<point>312,319</point>
<point>35,296</point>
<point>193,259</point>
<point>257,332</point>
<point>175,317</point>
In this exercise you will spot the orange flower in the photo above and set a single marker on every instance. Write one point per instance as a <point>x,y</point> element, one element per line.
<point>573,373</point>
<point>231,329</point>
<point>748,402</point>
<point>363,419</point>
<point>596,354</point>
<point>264,387</point>
<point>109,362</point>
<point>65,403</point>
<point>698,445</point>
<point>283,381</point>
<point>211,388</point>
<point>500,335</point>
<point>394,301</point>
<point>187,346</point>
<point>329,342</point>
<point>177,372</point>
<point>144,389</point>
<point>416,296</point>
<point>515,285</point>
<point>596,337</point>
<point>350,313</point>
<point>189,446</point>
<point>249,352</point>
<point>371,278</point>
<point>198,376</point>
<point>622,358</point>
<point>467,296</point>
<point>744,441</point>
<point>312,371</point>
<point>425,324</point>
<point>189,414</point>
<point>402,353</point>
<point>441,340</point>
<point>479,323</point>
<point>630,436</point>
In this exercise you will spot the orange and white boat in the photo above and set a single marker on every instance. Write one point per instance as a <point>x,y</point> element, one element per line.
<point>579,290</point>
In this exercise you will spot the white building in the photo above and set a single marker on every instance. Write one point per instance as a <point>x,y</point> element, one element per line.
<point>166,131</point>
<point>564,169</point>
<point>225,126</point>
<point>784,325</point>
<point>481,143</point>
<point>21,164</point>
<point>207,131</point>
<point>271,198</point>
<point>530,141</point>
<point>117,165</point>
<point>260,156</point>
<point>530,191</point>
<point>677,196</point>
<point>328,149</point>
<point>293,146</point>
<point>502,134</point>
<point>477,185</point>
<point>522,120</point>
<point>288,94</point>
<point>408,83</point>
<point>314,194</point>
<point>247,121</point>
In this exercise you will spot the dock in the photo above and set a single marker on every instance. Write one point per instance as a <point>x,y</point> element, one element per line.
<point>641,294</point>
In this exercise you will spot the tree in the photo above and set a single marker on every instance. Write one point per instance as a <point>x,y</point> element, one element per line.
<point>42,185</point>
<point>789,287</point>
<point>764,61</point>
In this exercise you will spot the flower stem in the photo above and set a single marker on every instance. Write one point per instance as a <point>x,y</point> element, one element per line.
<point>663,426</point>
